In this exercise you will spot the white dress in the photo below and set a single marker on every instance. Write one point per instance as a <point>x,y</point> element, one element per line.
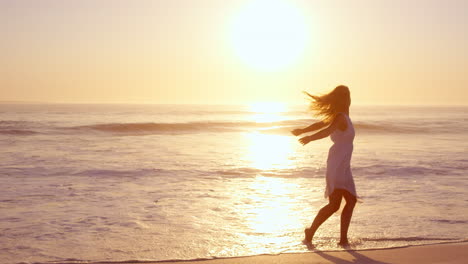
<point>339,174</point>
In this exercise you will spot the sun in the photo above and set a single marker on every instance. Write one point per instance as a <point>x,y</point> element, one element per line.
<point>269,34</point>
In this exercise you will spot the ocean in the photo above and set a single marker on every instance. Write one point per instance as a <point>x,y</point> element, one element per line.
<point>168,182</point>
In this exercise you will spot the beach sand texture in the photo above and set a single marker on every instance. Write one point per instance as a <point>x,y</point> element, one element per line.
<point>451,253</point>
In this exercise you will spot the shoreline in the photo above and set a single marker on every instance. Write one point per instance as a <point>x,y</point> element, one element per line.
<point>445,252</point>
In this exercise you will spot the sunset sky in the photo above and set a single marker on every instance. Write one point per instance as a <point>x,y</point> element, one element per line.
<point>233,51</point>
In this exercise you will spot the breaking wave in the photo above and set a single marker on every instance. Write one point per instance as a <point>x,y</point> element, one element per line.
<point>19,132</point>
<point>273,127</point>
<point>279,127</point>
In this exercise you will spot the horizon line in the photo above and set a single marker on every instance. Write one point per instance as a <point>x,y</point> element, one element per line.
<point>20,102</point>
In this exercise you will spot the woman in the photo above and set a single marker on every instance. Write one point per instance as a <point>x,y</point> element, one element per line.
<point>333,108</point>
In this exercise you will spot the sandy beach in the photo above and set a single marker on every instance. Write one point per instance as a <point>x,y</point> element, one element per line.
<point>455,253</point>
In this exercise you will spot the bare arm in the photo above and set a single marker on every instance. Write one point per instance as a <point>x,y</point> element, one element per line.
<point>310,128</point>
<point>338,122</point>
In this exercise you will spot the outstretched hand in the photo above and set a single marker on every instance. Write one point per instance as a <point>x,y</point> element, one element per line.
<point>297,132</point>
<point>305,140</point>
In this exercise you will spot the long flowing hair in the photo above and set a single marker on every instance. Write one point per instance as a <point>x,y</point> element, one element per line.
<point>327,106</point>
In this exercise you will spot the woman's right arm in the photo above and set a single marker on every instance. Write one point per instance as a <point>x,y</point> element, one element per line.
<point>339,121</point>
<point>314,126</point>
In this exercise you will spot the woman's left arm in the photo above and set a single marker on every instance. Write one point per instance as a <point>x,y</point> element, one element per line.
<point>310,128</point>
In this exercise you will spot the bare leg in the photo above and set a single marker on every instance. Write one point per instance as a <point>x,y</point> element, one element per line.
<point>346,216</point>
<point>324,213</point>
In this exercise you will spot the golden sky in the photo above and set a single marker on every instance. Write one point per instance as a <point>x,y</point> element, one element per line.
<point>233,51</point>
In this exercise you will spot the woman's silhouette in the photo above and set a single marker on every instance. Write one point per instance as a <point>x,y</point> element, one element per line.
<point>333,108</point>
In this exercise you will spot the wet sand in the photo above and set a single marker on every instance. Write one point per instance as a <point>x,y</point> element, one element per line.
<point>451,253</point>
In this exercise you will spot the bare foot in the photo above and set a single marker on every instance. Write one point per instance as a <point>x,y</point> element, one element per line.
<point>344,244</point>
<point>309,245</point>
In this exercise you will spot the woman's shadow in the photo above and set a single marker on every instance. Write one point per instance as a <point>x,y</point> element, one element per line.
<point>358,258</point>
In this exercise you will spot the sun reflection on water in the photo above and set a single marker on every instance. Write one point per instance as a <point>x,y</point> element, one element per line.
<point>268,152</point>
<point>272,207</point>
<point>273,212</point>
<point>266,112</point>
